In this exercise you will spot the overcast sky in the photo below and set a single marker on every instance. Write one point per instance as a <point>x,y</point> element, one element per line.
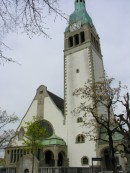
<point>41,59</point>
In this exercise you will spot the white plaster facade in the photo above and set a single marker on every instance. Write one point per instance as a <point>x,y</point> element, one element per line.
<point>80,61</point>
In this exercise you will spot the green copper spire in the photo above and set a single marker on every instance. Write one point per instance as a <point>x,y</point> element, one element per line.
<point>79,14</point>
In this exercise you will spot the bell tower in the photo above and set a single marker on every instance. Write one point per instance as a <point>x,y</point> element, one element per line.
<point>82,61</point>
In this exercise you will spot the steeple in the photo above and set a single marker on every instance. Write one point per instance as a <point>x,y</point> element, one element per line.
<point>80,14</point>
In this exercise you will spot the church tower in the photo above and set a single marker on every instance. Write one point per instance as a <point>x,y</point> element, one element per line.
<point>82,61</point>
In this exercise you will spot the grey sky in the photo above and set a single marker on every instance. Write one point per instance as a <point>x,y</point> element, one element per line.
<point>42,59</point>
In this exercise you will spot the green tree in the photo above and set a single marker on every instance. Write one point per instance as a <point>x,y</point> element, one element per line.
<point>99,102</point>
<point>34,135</point>
<point>2,162</point>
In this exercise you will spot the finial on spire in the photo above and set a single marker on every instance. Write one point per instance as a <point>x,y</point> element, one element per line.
<point>80,1</point>
<point>79,4</point>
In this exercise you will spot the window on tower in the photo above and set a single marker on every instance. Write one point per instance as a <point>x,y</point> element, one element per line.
<point>70,41</point>
<point>95,42</point>
<point>77,70</point>
<point>82,37</point>
<point>97,45</point>
<point>79,119</point>
<point>80,139</point>
<point>76,39</point>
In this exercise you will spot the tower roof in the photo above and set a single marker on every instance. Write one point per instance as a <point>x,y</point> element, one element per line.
<point>79,14</point>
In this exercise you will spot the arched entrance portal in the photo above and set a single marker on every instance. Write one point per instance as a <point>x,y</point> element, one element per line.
<point>49,158</point>
<point>26,171</point>
<point>107,160</point>
<point>61,156</point>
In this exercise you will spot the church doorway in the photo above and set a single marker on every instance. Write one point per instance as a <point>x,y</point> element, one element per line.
<point>26,171</point>
<point>60,159</point>
<point>49,158</point>
<point>107,160</point>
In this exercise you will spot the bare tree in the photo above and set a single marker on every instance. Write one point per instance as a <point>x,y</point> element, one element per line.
<point>5,132</point>
<point>26,15</point>
<point>123,120</point>
<point>99,101</point>
<point>31,14</point>
<point>7,23</point>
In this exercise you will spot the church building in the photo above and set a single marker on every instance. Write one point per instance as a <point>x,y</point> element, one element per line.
<point>66,146</point>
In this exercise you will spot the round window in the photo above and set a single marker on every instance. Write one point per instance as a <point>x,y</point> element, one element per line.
<point>45,124</point>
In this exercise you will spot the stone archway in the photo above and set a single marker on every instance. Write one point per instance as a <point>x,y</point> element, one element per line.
<point>106,162</point>
<point>61,158</point>
<point>24,165</point>
<point>49,158</point>
<point>26,171</point>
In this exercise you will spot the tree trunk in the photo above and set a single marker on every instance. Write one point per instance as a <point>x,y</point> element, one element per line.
<point>33,161</point>
<point>112,153</point>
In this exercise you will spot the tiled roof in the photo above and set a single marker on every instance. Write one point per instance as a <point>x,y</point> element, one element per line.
<point>57,100</point>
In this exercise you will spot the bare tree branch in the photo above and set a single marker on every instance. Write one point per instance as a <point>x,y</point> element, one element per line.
<point>28,16</point>
<point>5,132</point>
<point>100,100</point>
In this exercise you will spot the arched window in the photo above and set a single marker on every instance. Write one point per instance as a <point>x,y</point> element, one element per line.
<point>80,139</point>
<point>61,156</point>
<point>84,160</point>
